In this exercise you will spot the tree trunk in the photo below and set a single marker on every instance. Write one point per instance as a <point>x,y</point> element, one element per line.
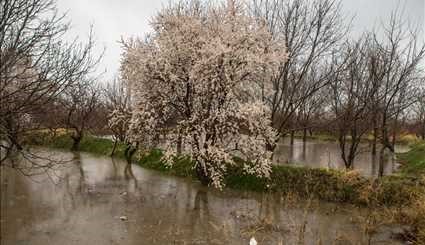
<point>381,161</point>
<point>270,147</point>
<point>113,148</point>
<point>15,143</point>
<point>348,162</point>
<point>202,174</point>
<point>292,136</point>
<point>76,144</point>
<point>76,139</point>
<point>348,159</point>
<point>375,139</point>
<point>179,144</point>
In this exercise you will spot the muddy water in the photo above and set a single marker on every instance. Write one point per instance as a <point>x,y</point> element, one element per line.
<point>327,154</point>
<point>96,200</point>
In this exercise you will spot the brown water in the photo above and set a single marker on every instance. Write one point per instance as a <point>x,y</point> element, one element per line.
<point>327,154</point>
<point>84,201</point>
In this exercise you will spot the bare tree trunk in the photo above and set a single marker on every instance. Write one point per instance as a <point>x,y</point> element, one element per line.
<point>351,161</point>
<point>381,161</point>
<point>375,135</point>
<point>385,139</point>
<point>292,137</point>
<point>348,160</point>
<point>374,141</point>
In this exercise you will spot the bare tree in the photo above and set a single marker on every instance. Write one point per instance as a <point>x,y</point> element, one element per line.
<point>80,102</point>
<point>394,69</point>
<point>352,91</point>
<point>35,65</point>
<point>378,84</point>
<point>419,113</point>
<point>48,118</point>
<point>312,108</point>
<point>311,30</point>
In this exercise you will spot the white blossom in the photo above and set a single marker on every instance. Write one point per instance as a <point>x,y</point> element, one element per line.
<point>199,76</point>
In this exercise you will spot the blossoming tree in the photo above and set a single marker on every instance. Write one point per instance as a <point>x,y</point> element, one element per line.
<point>200,76</point>
<point>118,104</point>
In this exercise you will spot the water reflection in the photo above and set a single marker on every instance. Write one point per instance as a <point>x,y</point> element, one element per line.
<point>92,193</point>
<point>326,154</point>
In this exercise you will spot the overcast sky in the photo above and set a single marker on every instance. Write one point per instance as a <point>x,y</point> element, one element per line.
<point>113,19</point>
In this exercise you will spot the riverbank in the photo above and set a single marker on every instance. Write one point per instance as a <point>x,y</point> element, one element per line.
<point>324,184</point>
<point>400,196</point>
<point>413,162</point>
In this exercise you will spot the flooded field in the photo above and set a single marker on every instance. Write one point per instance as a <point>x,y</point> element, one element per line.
<point>99,200</point>
<point>327,154</point>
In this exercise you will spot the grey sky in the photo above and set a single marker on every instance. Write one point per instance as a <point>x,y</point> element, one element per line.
<point>113,19</point>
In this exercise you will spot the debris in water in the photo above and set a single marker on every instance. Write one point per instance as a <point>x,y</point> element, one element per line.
<point>123,193</point>
<point>252,241</point>
<point>123,218</point>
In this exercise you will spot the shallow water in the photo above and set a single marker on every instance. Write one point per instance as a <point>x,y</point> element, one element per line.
<point>84,201</point>
<point>327,154</point>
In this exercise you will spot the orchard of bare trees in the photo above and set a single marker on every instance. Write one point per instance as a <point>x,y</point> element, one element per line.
<point>36,69</point>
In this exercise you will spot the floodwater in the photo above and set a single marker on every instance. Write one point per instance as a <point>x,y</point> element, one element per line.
<point>327,154</point>
<point>98,200</point>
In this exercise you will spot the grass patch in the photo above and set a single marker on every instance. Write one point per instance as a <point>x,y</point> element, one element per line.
<point>413,161</point>
<point>182,167</point>
<point>330,185</point>
<point>95,145</point>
